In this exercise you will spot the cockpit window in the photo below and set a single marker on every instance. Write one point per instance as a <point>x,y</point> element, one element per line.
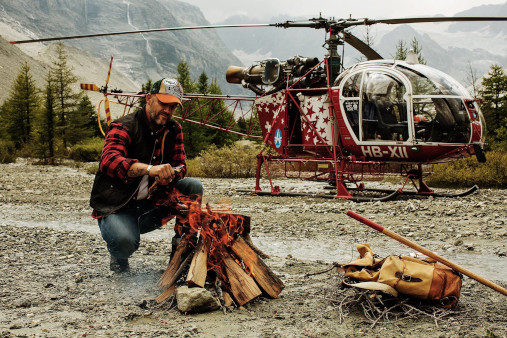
<point>379,111</point>
<point>429,81</point>
<point>437,116</point>
<point>351,87</point>
<point>441,120</point>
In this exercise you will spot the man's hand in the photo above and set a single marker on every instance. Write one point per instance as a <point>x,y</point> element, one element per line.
<point>163,173</point>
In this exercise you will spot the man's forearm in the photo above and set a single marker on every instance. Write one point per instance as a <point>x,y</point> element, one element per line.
<point>160,172</point>
<point>137,169</point>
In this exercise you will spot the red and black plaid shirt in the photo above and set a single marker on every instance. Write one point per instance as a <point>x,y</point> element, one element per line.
<point>115,163</point>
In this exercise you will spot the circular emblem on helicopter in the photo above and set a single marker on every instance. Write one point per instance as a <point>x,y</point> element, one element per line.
<point>278,138</point>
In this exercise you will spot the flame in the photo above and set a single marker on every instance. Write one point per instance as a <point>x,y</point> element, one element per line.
<point>217,226</point>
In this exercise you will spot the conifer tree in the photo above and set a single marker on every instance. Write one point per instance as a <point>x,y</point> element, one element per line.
<point>82,121</point>
<point>416,48</point>
<point>224,119</point>
<point>63,80</point>
<point>184,77</point>
<point>494,93</point>
<point>145,88</point>
<point>21,107</point>
<point>4,119</point>
<point>401,51</point>
<point>203,83</point>
<point>44,131</point>
<point>472,80</point>
<point>196,138</point>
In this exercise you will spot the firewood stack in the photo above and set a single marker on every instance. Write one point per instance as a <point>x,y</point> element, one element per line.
<point>218,248</point>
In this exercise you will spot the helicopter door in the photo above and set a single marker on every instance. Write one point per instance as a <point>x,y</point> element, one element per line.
<point>350,100</point>
<point>383,113</point>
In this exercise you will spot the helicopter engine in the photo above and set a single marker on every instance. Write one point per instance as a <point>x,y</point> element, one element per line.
<point>272,72</point>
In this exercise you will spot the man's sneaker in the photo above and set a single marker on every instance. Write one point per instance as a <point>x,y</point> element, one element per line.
<point>119,264</point>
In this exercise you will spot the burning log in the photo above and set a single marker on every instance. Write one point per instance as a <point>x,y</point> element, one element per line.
<point>175,267</point>
<point>243,287</point>
<point>267,280</point>
<point>224,248</point>
<point>199,266</point>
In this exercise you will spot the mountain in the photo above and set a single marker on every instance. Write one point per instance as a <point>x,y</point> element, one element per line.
<point>445,46</point>
<point>493,28</point>
<point>255,44</point>
<point>85,66</point>
<point>138,56</point>
<point>452,60</point>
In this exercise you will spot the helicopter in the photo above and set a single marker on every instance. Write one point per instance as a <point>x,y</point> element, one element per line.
<point>342,126</point>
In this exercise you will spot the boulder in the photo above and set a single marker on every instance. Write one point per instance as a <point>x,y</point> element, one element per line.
<point>195,300</point>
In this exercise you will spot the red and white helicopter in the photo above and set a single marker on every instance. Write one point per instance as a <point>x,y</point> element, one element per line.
<point>342,126</point>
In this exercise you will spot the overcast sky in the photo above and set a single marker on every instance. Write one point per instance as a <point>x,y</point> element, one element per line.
<point>218,10</point>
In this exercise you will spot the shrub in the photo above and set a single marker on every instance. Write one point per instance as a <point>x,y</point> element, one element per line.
<point>7,152</point>
<point>88,151</point>
<point>467,172</point>
<point>235,161</point>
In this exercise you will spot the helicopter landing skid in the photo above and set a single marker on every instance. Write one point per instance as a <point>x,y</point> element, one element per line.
<point>416,193</point>
<point>392,195</point>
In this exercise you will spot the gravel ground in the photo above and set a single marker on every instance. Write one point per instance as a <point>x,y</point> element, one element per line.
<point>55,281</point>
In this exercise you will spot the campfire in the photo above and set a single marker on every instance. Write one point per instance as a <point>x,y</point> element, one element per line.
<point>216,247</point>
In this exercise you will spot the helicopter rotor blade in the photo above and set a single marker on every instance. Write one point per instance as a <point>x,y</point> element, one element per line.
<point>109,71</point>
<point>422,20</point>
<point>90,86</point>
<point>361,46</point>
<point>312,23</point>
<point>140,31</point>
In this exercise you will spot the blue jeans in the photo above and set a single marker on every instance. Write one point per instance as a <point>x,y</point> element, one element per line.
<point>122,230</point>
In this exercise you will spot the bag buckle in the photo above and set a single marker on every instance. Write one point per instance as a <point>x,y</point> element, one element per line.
<point>406,278</point>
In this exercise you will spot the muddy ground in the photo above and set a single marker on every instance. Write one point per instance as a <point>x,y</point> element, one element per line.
<point>55,280</point>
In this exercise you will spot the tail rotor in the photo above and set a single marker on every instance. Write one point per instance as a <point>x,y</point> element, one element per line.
<point>95,88</point>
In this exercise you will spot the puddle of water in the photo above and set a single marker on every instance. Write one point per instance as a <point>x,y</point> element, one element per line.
<point>489,266</point>
<point>330,250</point>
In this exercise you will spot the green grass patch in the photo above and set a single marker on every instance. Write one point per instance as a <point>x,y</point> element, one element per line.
<point>235,161</point>
<point>467,172</point>
<point>87,151</point>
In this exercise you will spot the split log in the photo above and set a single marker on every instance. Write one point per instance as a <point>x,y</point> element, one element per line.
<point>199,266</point>
<point>166,294</point>
<point>172,287</point>
<point>170,274</point>
<point>266,279</point>
<point>243,287</point>
<point>227,298</point>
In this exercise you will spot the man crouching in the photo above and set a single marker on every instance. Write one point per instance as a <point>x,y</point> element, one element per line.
<point>139,149</point>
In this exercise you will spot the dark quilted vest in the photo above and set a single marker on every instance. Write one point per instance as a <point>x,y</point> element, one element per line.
<point>110,194</point>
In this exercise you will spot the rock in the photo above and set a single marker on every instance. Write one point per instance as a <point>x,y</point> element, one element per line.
<point>196,300</point>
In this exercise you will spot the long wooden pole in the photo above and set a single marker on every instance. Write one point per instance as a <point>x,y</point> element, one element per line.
<point>427,252</point>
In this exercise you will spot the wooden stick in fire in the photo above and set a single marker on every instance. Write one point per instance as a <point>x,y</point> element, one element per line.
<point>426,252</point>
